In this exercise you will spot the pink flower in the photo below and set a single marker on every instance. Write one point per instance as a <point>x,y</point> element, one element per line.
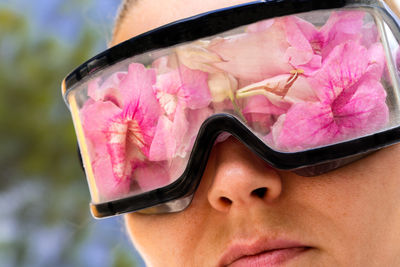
<point>351,102</point>
<point>309,45</point>
<point>120,127</point>
<point>178,91</point>
<point>341,27</point>
<point>281,45</point>
<point>340,71</point>
<point>182,86</point>
<point>266,100</point>
<point>129,135</point>
<point>301,52</point>
<point>95,116</point>
<point>168,137</point>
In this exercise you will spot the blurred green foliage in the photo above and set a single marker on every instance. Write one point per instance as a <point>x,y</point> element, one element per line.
<point>44,215</point>
<point>33,117</point>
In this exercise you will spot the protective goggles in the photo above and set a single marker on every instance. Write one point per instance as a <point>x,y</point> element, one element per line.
<point>307,85</point>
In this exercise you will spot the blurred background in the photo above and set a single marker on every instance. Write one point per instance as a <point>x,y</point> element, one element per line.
<point>44,212</point>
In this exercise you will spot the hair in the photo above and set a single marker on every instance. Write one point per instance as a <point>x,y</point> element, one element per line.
<point>121,14</point>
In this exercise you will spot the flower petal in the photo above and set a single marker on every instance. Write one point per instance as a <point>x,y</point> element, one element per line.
<point>196,57</point>
<point>306,125</point>
<point>95,116</point>
<point>364,112</point>
<point>341,27</point>
<point>109,90</point>
<point>377,61</point>
<point>261,104</point>
<point>340,71</point>
<point>257,63</point>
<point>222,86</point>
<point>108,185</point>
<point>194,88</point>
<point>370,34</point>
<point>151,175</point>
<point>301,90</point>
<point>137,87</point>
<point>301,52</point>
<point>164,143</point>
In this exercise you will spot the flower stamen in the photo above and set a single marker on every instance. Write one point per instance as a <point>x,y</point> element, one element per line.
<point>278,85</point>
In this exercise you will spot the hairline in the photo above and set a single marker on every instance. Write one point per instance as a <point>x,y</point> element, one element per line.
<point>123,10</point>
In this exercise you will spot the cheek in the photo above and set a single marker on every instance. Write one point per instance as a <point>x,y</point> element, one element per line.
<point>161,239</point>
<point>356,209</point>
<point>177,239</point>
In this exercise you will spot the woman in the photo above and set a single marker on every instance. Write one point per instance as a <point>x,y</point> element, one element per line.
<point>247,213</point>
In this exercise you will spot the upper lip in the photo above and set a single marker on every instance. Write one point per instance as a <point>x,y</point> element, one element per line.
<point>239,249</point>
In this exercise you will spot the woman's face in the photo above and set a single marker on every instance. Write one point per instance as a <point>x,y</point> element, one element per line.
<point>248,214</point>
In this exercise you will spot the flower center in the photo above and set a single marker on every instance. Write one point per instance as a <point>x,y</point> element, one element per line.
<point>167,101</point>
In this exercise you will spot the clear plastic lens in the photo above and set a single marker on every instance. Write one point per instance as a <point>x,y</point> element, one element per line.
<point>297,82</point>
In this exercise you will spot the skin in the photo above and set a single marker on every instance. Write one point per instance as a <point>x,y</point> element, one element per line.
<point>349,217</point>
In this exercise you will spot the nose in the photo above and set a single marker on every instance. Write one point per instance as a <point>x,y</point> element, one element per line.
<point>239,178</point>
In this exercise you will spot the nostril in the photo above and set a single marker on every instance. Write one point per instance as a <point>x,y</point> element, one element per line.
<point>259,192</point>
<point>225,201</point>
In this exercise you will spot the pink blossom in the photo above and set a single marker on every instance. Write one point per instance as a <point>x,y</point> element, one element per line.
<point>182,86</point>
<point>281,90</point>
<point>175,139</point>
<point>95,116</point>
<point>129,136</point>
<point>169,135</point>
<point>340,71</point>
<point>301,53</point>
<point>351,102</point>
<point>178,91</point>
<point>120,127</point>
<point>309,45</point>
<point>268,99</point>
<point>281,45</point>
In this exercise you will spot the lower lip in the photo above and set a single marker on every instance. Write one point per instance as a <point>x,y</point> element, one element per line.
<point>271,258</point>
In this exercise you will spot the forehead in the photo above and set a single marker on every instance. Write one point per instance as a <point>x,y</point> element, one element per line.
<point>144,15</point>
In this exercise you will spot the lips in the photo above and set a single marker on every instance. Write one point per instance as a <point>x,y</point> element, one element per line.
<point>261,253</point>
